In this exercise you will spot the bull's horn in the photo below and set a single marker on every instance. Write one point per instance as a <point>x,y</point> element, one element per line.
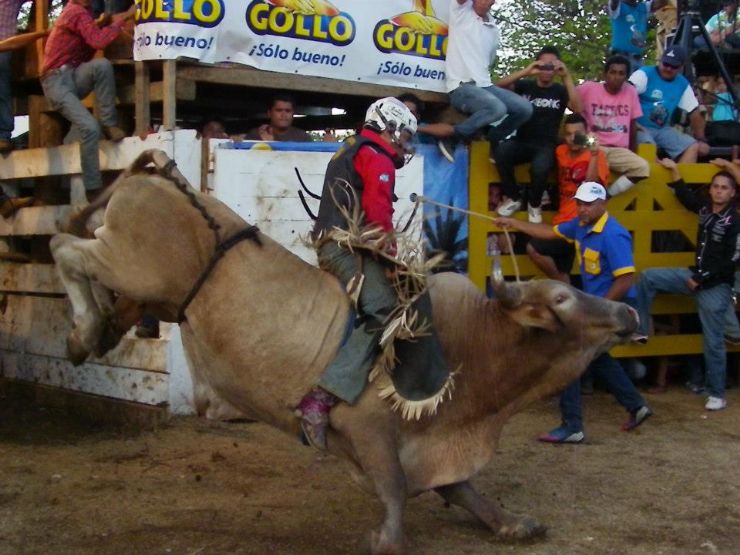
<point>506,294</point>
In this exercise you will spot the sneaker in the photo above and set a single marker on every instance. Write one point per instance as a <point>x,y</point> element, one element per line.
<point>10,205</point>
<point>115,134</point>
<point>734,341</point>
<point>561,435</point>
<point>447,148</point>
<point>696,389</point>
<point>534,214</point>
<point>6,145</point>
<point>637,418</point>
<point>508,207</point>
<point>715,403</point>
<point>545,199</point>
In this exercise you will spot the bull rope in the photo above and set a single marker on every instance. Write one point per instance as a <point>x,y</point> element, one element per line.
<point>417,199</point>
<point>170,172</point>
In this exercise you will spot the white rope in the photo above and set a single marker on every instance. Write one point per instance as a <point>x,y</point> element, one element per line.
<point>420,198</point>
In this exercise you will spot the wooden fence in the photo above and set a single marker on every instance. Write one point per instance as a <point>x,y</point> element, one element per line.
<point>649,207</point>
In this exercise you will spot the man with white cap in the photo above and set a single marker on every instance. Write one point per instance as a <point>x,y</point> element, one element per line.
<point>607,270</point>
<point>661,90</point>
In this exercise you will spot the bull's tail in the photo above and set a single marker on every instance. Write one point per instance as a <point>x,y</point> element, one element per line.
<point>77,224</point>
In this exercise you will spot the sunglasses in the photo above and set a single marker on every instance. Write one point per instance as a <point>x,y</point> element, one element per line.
<point>669,66</point>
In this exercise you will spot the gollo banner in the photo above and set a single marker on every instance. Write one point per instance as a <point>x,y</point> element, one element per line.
<point>389,42</point>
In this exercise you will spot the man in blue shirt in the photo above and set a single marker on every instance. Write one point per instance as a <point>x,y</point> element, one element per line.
<point>607,270</point>
<point>629,20</point>
<point>662,89</point>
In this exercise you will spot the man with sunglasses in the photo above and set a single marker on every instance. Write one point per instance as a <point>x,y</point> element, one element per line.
<point>607,270</point>
<point>661,90</point>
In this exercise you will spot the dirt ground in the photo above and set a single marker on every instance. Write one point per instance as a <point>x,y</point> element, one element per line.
<point>197,487</point>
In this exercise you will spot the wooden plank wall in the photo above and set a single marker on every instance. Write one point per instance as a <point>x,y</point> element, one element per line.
<point>35,315</point>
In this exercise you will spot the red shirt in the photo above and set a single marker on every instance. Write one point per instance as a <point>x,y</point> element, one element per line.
<point>571,173</point>
<point>378,179</point>
<point>75,38</point>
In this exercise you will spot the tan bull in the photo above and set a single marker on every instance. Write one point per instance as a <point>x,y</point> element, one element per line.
<point>265,324</point>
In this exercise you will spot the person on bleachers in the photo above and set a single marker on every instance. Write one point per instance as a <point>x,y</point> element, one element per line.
<point>578,161</point>
<point>474,39</point>
<point>629,23</point>
<point>535,141</point>
<point>611,109</point>
<point>723,27</point>
<point>9,10</point>
<point>661,90</point>
<point>70,73</point>
<point>667,17</point>
<point>710,280</point>
<point>280,125</point>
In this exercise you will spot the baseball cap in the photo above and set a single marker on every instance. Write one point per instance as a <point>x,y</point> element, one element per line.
<point>674,56</point>
<point>590,191</point>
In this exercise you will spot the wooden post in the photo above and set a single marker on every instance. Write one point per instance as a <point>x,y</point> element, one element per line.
<point>169,94</point>
<point>45,128</point>
<point>41,23</point>
<point>141,99</point>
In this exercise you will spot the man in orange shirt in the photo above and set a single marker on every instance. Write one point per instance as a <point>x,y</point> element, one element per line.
<point>578,160</point>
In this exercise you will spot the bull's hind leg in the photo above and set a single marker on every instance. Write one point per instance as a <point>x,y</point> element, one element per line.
<point>504,524</point>
<point>91,302</point>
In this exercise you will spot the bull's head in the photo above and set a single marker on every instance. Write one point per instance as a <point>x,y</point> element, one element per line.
<point>559,308</point>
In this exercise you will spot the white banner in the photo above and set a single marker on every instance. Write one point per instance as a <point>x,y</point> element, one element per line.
<point>389,42</point>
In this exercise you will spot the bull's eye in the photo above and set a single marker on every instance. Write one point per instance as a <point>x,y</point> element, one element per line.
<point>560,299</point>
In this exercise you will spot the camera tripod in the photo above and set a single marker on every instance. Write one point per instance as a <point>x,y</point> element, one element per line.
<point>690,17</point>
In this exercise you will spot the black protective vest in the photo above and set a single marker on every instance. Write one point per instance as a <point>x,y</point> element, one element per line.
<point>342,184</point>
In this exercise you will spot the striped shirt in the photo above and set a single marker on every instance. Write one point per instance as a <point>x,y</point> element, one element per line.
<point>75,38</point>
<point>9,17</point>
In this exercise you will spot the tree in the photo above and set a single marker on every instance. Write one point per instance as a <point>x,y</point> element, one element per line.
<point>580,29</point>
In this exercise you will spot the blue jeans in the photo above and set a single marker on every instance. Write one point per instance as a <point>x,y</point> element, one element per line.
<point>712,306</point>
<point>6,97</point>
<point>64,88</point>
<point>613,375</point>
<point>542,159</point>
<point>486,106</point>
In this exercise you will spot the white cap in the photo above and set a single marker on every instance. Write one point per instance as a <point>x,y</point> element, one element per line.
<point>590,191</point>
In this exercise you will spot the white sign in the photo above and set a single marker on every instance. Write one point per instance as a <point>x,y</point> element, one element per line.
<point>389,42</point>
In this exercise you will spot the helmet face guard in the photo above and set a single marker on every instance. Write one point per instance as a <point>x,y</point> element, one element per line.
<point>392,115</point>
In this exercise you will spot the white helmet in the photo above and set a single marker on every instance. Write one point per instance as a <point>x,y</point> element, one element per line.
<point>392,115</point>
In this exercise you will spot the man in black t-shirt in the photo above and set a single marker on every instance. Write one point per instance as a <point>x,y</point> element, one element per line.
<point>535,141</point>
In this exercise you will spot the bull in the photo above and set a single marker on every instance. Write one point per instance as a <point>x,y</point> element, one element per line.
<point>264,324</point>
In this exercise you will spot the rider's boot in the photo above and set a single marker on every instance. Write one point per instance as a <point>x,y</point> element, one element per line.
<point>313,411</point>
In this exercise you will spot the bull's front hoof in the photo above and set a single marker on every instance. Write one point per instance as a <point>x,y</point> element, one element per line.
<point>381,545</point>
<point>76,353</point>
<point>522,529</point>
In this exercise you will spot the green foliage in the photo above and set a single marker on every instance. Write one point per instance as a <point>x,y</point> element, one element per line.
<point>24,16</point>
<point>580,29</point>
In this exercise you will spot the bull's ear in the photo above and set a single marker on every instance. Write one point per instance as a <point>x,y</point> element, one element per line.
<point>532,315</point>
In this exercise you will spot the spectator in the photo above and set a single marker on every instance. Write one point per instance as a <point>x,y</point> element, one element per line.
<point>473,41</point>
<point>723,27</point>
<point>9,10</point>
<point>607,270</point>
<point>611,109</point>
<point>724,105</point>
<point>710,280</point>
<point>662,89</point>
<point>667,20</point>
<point>280,127</point>
<point>629,21</point>
<point>362,172</point>
<point>416,107</point>
<point>213,128</point>
<point>536,139</point>
<point>577,163</point>
<point>70,74</point>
